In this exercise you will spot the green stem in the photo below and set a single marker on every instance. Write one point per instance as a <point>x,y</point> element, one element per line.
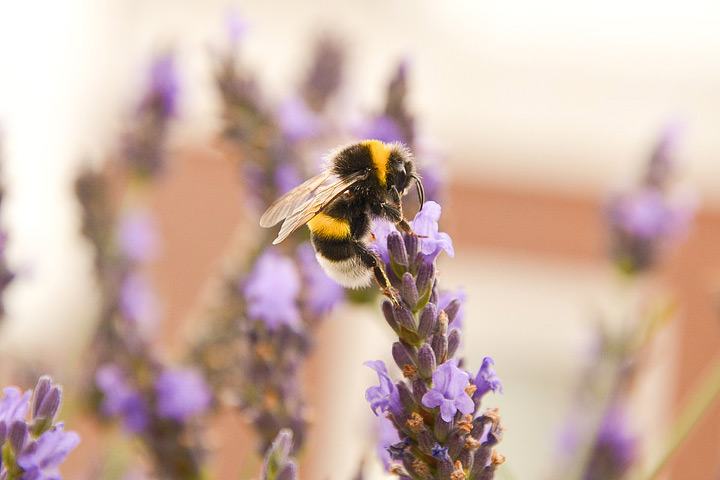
<point>701,400</point>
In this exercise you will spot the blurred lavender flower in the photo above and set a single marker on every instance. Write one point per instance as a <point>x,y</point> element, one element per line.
<point>325,74</point>
<point>381,128</point>
<point>138,303</point>
<point>321,293</point>
<point>272,291</point>
<point>33,449</point>
<point>615,450</point>
<point>261,321</point>
<point>436,408</point>
<point>277,464</point>
<point>297,120</point>
<point>646,219</point>
<point>143,148</point>
<point>181,393</point>
<point>122,399</point>
<point>137,236</point>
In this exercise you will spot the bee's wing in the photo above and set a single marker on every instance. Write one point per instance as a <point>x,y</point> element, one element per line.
<point>311,207</point>
<point>288,203</point>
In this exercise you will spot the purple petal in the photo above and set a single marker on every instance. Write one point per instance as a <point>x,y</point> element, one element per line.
<point>433,399</point>
<point>448,410</point>
<point>465,404</point>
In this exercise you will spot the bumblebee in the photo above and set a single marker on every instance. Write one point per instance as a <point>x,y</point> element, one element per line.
<point>361,181</point>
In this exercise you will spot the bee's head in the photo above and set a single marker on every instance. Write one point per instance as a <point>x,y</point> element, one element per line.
<point>402,172</point>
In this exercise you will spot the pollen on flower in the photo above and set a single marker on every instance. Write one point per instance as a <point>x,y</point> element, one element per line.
<point>493,415</point>
<point>421,468</point>
<point>410,371</point>
<point>470,389</point>
<point>458,474</point>
<point>415,423</point>
<point>471,444</point>
<point>497,458</point>
<point>465,424</point>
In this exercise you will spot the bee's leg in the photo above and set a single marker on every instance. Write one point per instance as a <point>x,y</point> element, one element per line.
<point>371,260</point>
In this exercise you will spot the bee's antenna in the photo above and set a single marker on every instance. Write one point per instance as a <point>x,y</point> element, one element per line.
<point>420,189</point>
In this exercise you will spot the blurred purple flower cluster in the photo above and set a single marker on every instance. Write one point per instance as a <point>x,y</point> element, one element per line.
<point>33,449</point>
<point>161,404</point>
<point>644,220</point>
<point>435,408</point>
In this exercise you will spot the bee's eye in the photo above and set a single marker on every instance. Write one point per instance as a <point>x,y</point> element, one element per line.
<point>400,175</point>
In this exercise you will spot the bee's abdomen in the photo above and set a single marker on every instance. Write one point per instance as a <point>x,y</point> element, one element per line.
<point>341,262</point>
<point>329,227</point>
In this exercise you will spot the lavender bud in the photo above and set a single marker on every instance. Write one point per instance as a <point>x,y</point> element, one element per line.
<point>49,405</point>
<point>404,317</point>
<point>453,342</point>
<point>411,245</point>
<point>426,441</point>
<point>427,320</point>
<point>434,295</point>
<point>452,309</point>
<point>445,469</point>
<point>396,249</point>
<point>387,309</point>
<point>289,472</point>
<point>41,389</point>
<point>426,360</point>
<point>3,432</point>
<point>419,388</point>
<point>442,429</point>
<point>17,435</point>
<point>480,459</point>
<point>440,347</point>
<point>401,355</point>
<point>425,276</point>
<point>467,457</point>
<point>455,443</point>
<point>409,291</point>
<point>406,398</point>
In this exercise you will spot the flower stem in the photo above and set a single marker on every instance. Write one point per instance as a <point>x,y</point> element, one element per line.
<point>701,400</point>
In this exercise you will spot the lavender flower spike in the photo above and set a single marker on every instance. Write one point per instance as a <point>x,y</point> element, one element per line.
<point>435,407</point>
<point>277,464</point>
<point>33,449</point>
<point>181,393</point>
<point>449,392</point>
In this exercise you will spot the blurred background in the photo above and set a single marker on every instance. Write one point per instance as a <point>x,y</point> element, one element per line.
<point>536,113</point>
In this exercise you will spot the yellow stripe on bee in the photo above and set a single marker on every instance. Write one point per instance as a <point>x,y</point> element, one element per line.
<point>379,155</point>
<point>329,227</point>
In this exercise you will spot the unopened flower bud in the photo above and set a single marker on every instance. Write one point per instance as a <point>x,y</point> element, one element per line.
<point>452,309</point>
<point>17,435</point>
<point>401,355</point>
<point>425,276</point>
<point>426,360</point>
<point>453,342</point>
<point>404,317</point>
<point>440,347</point>
<point>427,320</point>
<point>409,290</point>
<point>411,245</point>
<point>396,249</point>
<point>387,309</point>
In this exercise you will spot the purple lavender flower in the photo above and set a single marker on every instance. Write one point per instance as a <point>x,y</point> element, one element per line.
<point>14,406</point>
<point>486,379</point>
<point>287,177</point>
<point>321,293</point>
<point>615,449</point>
<point>380,397</point>
<point>386,436</point>
<point>381,230</point>
<point>644,214</point>
<point>297,120</point>
<point>122,399</point>
<point>33,449</point>
<point>448,392</point>
<point>41,459</point>
<point>162,94</point>
<point>444,300</point>
<point>272,291</point>
<point>426,224</point>
<point>138,302</point>
<point>181,393</point>
<point>381,128</point>
<point>137,236</point>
